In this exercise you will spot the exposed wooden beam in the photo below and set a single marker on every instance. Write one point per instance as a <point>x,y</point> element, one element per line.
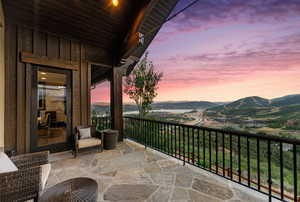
<point>132,38</point>
<point>44,60</point>
<point>100,65</point>
<point>154,16</point>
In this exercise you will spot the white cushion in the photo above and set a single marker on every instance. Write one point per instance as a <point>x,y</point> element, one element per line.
<point>46,168</point>
<point>85,133</point>
<point>6,165</point>
<point>83,143</point>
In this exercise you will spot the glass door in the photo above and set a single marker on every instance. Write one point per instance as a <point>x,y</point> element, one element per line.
<point>51,109</point>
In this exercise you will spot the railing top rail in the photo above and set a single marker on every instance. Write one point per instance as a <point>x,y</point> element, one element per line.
<point>233,132</point>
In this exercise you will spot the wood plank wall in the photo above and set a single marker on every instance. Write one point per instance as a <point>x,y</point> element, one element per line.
<point>18,78</point>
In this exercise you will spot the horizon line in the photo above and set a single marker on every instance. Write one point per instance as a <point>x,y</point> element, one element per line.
<point>202,100</point>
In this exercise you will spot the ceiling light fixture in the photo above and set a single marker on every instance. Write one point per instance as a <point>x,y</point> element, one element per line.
<point>115,3</point>
<point>43,73</point>
<point>43,78</point>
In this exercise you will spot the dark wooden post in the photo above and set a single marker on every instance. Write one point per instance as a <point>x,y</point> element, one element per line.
<point>116,104</point>
<point>2,78</point>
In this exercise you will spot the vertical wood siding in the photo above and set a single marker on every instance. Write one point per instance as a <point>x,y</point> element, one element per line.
<point>18,79</point>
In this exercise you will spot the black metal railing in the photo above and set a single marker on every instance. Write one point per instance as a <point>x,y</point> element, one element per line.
<point>268,164</point>
<point>101,123</point>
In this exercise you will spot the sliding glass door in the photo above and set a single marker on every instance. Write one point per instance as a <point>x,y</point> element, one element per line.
<point>51,109</point>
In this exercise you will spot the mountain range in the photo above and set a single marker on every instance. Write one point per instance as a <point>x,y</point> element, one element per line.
<point>252,102</point>
<point>101,106</point>
<point>286,100</point>
<point>259,102</point>
<point>276,111</point>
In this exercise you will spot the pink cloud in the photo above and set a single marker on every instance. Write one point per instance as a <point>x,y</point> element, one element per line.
<point>223,50</point>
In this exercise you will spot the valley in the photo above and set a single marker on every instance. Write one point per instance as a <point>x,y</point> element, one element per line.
<point>279,116</point>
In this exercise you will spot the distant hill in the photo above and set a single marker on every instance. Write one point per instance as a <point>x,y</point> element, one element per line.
<point>184,105</point>
<point>248,106</point>
<point>100,104</point>
<point>279,109</point>
<point>286,100</point>
<point>248,102</point>
<point>104,107</point>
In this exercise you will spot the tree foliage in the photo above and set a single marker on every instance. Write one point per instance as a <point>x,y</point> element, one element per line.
<point>142,84</point>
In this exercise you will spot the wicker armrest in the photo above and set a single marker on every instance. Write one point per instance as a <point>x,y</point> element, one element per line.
<point>31,160</point>
<point>20,185</point>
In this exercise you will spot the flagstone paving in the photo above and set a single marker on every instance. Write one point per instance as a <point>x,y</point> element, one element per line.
<point>132,174</point>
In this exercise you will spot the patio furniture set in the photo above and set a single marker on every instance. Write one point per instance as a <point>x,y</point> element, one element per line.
<point>24,177</point>
<point>88,136</point>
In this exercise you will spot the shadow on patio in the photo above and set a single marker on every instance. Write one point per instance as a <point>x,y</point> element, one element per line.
<point>131,173</point>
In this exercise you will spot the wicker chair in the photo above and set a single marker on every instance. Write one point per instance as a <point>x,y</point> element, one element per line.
<point>96,139</point>
<point>25,183</point>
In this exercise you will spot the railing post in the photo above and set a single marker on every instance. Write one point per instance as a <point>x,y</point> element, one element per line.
<point>269,170</point>
<point>183,136</point>
<point>295,171</point>
<point>145,132</point>
<point>229,172</point>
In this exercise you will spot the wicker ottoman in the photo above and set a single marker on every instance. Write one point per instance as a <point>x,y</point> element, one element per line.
<point>73,190</point>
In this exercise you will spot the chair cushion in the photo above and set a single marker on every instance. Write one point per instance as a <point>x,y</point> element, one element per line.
<point>46,168</point>
<point>83,143</point>
<point>6,165</point>
<point>85,133</point>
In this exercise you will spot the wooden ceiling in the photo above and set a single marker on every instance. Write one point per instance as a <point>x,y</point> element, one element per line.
<point>152,22</point>
<point>93,21</point>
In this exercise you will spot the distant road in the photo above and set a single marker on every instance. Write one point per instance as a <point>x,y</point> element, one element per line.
<point>197,116</point>
<point>177,111</point>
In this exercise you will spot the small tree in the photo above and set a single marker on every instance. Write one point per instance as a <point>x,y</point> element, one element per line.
<point>142,84</point>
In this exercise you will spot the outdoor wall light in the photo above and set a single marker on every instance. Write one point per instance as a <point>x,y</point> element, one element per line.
<point>115,3</point>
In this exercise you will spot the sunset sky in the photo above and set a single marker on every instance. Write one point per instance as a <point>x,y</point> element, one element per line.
<point>223,50</point>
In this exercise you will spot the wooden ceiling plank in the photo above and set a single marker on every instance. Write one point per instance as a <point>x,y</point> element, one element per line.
<point>55,17</point>
<point>65,9</point>
<point>83,14</point>
<point>98,32</point>
<point>80,36</point>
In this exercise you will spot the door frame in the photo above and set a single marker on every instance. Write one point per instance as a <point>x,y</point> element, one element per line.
<point>33,112</point>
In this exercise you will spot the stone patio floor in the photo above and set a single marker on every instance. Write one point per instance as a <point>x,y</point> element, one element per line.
<point>132,174</point>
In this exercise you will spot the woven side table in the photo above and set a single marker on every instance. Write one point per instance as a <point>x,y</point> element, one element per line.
<point>73,190</point>
<point>110,139</point>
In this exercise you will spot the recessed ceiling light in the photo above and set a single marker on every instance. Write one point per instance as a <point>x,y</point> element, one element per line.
<point>43,73</point>
<point>115,3</point>
<point>43,78</point>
